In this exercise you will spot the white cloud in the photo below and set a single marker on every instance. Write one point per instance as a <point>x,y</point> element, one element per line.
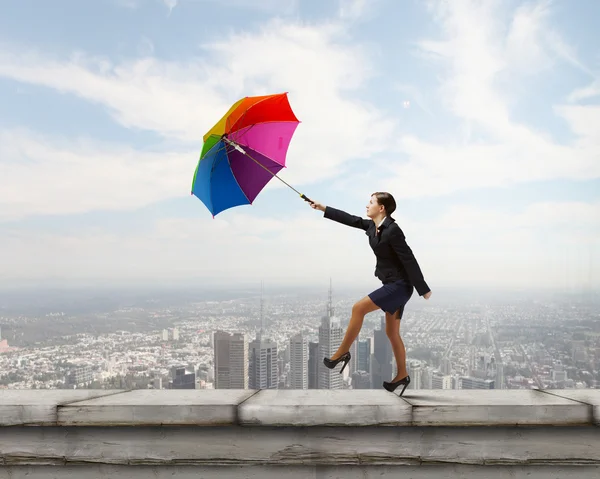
<point>467,246</point>
<point>353,9</point>
<point>42,176</point>
<point>590,91</point>
<point>181,101</point>
<point>170,4</point>
<point>483,56</point>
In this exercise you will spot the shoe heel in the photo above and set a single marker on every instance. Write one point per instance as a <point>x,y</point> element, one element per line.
<point>344,366</point>
<point>402,392</point>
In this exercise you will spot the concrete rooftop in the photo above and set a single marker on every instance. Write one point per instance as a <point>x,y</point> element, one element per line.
<point>317,433</point>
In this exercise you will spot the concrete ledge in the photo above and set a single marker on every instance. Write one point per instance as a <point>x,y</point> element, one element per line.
<point>585,396</point>
<point>497,408</point>
<point>299,408</point>
<point>324,408</point>
<point>433,433</point>
<point>31,407</point>
<point>266,446</point>
<point>156,407</point>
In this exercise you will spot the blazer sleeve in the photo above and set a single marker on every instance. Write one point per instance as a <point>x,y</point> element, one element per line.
<point>346,218</point>
<point>406,256</point>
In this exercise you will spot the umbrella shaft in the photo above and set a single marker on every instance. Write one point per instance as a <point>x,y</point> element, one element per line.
<point>241,150</point>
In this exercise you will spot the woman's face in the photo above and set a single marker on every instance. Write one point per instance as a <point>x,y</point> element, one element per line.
<point>374,208</point>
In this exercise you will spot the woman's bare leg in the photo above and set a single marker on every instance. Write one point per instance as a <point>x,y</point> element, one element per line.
<point>359,311</point>
<point>392,330</point>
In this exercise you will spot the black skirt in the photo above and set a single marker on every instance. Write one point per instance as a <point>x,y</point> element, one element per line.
<point>392,297</point>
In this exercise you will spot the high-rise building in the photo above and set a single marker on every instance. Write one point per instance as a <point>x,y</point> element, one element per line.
<point>182,379</point>
<point>415,371</point>
<point>382,368</point>
<point>262,367</point>
<point>313,365</point>
<point>499,376</point>
<point>446,366</point>
<point>440,381</point>
<point>476,383</point>
<point>231,360</point>
<point>364,355</point>
<point>330,338</point>
<point>298,362</point>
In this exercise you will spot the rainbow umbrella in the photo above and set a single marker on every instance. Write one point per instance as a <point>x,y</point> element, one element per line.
<point>244,151</point>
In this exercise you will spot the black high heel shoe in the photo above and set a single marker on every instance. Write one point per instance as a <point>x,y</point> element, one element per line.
<point>391,387</point>
<point>332,363</point>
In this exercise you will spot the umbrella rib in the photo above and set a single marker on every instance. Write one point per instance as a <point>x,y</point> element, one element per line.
<point>229,125</point>
<point>236,181</point>
<point>267,97</point>
<point>249,128</point>
<point>231,143</point>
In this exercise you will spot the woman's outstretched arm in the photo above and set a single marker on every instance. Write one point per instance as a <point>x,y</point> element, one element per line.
<point>342,217</point>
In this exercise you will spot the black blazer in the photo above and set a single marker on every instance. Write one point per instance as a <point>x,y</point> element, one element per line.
<point>395,259</point>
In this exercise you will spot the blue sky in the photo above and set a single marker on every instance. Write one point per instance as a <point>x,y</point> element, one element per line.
<point>482,118</point>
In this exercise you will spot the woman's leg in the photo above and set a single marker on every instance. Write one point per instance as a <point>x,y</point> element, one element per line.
<point>392,330</point>
<point>359,311</point>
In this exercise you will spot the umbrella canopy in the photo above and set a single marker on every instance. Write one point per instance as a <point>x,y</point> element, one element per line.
<point>243,151</point>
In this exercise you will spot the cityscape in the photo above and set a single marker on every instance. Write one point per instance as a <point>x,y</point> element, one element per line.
<point>277,340</point>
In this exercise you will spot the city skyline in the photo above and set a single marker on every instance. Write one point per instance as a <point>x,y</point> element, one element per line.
<point>480,117</point>
<point>208,344</point>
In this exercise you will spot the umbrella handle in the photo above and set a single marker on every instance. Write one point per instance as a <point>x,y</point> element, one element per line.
<point>306,198</point>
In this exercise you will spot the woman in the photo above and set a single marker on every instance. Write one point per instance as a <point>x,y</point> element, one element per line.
<point>396,268</point>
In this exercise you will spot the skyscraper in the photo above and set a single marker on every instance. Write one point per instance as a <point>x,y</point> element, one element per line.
<point>231,360</point>
<point>364,355</point>
<point>298,362</point>
<point>262,367</point>
<point>313,365</point>
<point>414,368</point>
<point>382,368</point>
<point>330,338</point>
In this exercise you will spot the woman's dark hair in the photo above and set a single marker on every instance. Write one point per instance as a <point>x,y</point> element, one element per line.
<point>386,200</point>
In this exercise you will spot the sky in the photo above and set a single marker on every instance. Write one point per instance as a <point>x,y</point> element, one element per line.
<point>482,118</point>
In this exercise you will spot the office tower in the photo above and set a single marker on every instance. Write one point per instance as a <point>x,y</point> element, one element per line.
<point>426,378</point>
<point>80,375</point>
<point>364,355</point>
<point>476,383</point>
<point>499,376</point>
<point>298,362</point>
<point>440,381</point>
<point>446,366</point>
<point>330,338</point>
<point>181,379</point>
<point>262,368</point>
<point>313,365</point>
<point>175,334</point>
<point>263,365</point>
<point>353,363</point>
<point>382,368</point>
<point>231,360</point>
<point>165,334</point>
<point>415,370</point>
